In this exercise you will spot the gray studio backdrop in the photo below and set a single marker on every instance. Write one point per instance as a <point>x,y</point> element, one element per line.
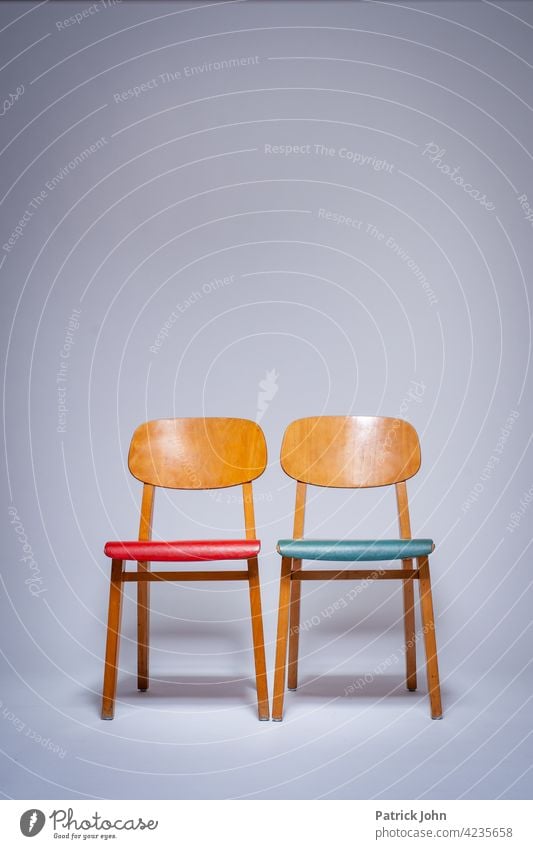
<point>267,210</point>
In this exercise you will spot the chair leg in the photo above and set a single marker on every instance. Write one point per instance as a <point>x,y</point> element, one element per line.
<point>294,630</point>
<point>258,640</point>
<point>143,630</point>
<point>428,624</point>
<point>281,641</point>
<point>113,639</point>
<point>409,628</point>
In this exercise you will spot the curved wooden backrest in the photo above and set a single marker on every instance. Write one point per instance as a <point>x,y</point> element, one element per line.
<point>350,451</point>
<point>197,453</point>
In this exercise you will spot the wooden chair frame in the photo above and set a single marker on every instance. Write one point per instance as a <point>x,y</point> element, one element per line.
<point>353,452</point>
<point>232,452</point>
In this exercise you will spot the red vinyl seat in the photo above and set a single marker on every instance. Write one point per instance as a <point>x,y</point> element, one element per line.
<point>183,550</point>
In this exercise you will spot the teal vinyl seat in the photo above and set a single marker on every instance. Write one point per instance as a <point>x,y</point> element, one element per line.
<point>354,549</point>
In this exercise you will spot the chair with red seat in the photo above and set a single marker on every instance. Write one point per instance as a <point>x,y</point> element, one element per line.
<point>191,454</point>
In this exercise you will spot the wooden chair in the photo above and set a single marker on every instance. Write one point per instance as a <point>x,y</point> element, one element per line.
<point>355,452</point>
<point>194,453</point>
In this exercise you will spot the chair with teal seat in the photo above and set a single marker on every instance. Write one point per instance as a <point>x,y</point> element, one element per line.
<point>353,452</point>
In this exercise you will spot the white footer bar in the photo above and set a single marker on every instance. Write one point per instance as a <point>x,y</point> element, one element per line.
<point>268,824</point>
